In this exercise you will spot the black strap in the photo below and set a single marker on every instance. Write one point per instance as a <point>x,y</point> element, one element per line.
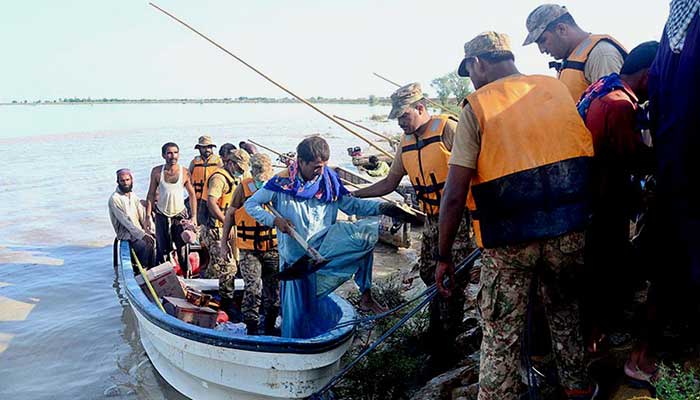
<point>420,143</point>
<point>581,66</point>
<point>577,65</point>
<point>619,48</point>
<point>427,189</point>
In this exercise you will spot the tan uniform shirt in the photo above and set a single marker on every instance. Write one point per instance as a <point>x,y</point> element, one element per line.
<point>238,197</point>
<point>217,186</point>
<point>448,135</point>
<point>467,141</point>
<point>603,60</point>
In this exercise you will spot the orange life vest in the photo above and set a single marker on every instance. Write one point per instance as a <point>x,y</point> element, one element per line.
<point>573,67</point>
<point>250,234</point>
<point>225,200</point>
<point>425,160</point>
<point>201,171</point>
<point>532,174</point>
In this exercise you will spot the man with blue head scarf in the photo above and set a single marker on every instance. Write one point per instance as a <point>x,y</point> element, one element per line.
<point>308,196</point>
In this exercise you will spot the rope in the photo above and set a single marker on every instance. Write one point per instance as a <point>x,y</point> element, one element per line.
<point>467,261</point>
<point>429,293</point>
<point>526,342</point>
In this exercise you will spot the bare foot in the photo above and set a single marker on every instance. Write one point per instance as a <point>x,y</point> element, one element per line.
<point>368,304</point>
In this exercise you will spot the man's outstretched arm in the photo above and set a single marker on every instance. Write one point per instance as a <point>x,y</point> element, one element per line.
<point>451,210</point>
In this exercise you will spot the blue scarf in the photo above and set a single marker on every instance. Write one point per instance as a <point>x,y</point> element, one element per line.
<point>327,188</point>
<point>600,88</point>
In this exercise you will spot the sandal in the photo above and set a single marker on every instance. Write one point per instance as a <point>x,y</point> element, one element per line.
<point>637,376</point>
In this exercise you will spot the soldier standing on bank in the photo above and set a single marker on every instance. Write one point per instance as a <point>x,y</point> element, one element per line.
<point>521,160</point>
<point>423,156</point>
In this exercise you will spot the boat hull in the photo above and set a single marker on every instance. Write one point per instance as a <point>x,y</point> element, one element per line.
<point>207,364</point>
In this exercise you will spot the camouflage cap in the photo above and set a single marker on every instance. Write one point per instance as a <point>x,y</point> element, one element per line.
<point>483,43</point>
<point>540,18</point>
<point>204,141</point>
<point>239,157</point>
<point>403,97</point>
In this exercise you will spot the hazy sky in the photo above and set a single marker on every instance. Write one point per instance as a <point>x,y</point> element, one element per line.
<point>98,48</point>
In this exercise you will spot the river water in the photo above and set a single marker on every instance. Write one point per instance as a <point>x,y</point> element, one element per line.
<point>66,331</point>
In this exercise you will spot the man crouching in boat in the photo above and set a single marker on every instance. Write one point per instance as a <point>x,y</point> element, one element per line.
<point>221,186</point>
<point>308,196</point>
<point>129,217</point>
<point>259,259</point>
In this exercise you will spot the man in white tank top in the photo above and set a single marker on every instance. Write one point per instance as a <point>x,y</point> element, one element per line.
<point>166,191</point>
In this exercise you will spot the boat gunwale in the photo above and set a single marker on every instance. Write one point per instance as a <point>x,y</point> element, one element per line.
<point>267,344</point>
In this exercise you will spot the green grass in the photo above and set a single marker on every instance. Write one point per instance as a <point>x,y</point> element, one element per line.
<point>676,383</point>
<point>390,371</point>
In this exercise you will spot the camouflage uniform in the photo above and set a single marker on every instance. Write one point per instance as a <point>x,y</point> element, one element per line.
<point>445,314</point>
<point>258,268</point>
<point>223,269</point>
<point>506,275</point>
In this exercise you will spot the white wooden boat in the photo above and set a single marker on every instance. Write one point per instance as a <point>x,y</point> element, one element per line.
<point>208,364</point>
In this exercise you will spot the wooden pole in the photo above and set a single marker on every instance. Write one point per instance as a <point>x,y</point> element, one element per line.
<point>365,128</point>
<point>277,153</point>
<point>272,81</point>
<point>434,104</point>
<point>148,283</point>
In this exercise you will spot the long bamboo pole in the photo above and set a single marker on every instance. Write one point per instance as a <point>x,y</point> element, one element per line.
<point>271,80</point>
<point>277,153</point>
<point>440,106</point>
<point>365,128</point>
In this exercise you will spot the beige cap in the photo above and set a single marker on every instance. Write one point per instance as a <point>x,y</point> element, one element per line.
<point>403,97</point>
<point>205,141</point>
<point>240,158</point>
<point>540,18</point>
<point>483,43</point>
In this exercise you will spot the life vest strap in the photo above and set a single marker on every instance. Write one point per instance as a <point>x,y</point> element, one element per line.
<point>577,65</point>
<point>420,143</point>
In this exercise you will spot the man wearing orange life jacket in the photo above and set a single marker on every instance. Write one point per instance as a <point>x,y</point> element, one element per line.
<point>521,161</point>
<point>201,168</point>
<point>220,188</point>
<point>423,156</point>
<point>585,57</point>
<point>259,259</point>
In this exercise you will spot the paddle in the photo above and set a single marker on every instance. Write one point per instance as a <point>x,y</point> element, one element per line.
<point>308,264</point>
<point>145,279</point>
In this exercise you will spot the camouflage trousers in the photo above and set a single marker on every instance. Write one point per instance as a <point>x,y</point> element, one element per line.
<point>506,276</point>
<point>445,314</point>
<point>261,288</point>
<point>221,268</point>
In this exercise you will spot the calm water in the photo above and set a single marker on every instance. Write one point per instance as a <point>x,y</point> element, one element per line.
<point>65,330</point>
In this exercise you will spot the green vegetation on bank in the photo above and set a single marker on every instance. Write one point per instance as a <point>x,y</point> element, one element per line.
<point>677,383</point>
<point>372,100</point>
<point>451,90</point>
